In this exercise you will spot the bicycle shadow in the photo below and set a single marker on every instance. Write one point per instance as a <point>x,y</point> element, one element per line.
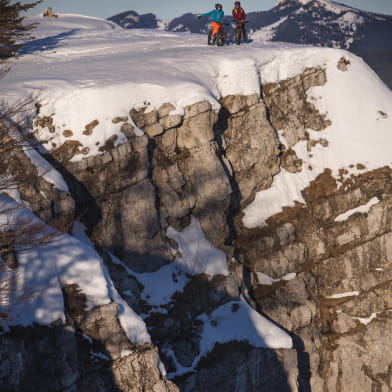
<point>231,41</point>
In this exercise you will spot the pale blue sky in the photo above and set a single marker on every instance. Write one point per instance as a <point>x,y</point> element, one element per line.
<point>168,9</point>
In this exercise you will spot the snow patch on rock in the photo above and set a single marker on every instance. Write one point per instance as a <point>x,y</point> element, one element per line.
<point>363,209</point>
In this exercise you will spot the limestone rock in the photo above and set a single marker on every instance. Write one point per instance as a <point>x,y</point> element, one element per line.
<point>169,122</point>
<point>289,108</point>
<point>153,129</point>
<point>251,144</point>
<point>372,370</point>
<point>291,162</point>
<point>197,127</point>
<point>239,367</point>
<point>327,281</point>
<point>143,117</point>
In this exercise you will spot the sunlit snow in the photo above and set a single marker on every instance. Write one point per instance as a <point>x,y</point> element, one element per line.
<point>361,209</point>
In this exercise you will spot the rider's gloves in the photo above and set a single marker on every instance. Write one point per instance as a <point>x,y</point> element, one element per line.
<point>198,16</point>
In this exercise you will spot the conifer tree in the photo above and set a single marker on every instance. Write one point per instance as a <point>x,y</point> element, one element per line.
<point>12,30</point>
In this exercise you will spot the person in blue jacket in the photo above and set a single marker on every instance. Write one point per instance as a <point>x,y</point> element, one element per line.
<point>216,17</point>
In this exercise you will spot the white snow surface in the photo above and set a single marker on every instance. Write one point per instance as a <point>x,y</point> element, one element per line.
<point>238,321</point>
<point>44,270</point>
<point>267,33</point>
<point>46,170</point>
<point>361,209</point>
<point>132,323</point>
<point>266,280</point>
<point>366,320</point>
<point>351,18</point>
<point>198,256</point>
<point>159,286</point>
<point>343,295</point>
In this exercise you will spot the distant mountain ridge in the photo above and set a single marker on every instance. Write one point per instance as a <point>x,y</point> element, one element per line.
<point>325,23</point>
<point>316,22</point>
<point>132,20</point>
<point>310,22</point>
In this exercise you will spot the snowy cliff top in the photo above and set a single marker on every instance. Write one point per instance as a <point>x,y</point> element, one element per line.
<point>91,69</point>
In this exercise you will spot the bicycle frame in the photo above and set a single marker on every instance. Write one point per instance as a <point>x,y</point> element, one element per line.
<point>240,32</point>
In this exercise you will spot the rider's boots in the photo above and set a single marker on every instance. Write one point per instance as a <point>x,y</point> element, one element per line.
<point>213,39</point>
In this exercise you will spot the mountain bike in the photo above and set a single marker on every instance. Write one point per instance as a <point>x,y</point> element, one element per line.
<point>221,36</point>
<point>240,32</point>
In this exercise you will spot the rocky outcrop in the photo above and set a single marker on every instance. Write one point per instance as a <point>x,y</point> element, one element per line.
<point>250,144</point>
<point>27,176</point>
<point>184,165</point>
<point>91,352</point>
<point>238,367</point>
<point>152,181</point>
<point>321,275</point>
<point>179,331</point>
<point>288,106</point>
<point>338,302</point>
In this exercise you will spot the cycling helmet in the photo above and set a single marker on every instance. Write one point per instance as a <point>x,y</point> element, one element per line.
<point>237,2</point>
<point>218,6</point>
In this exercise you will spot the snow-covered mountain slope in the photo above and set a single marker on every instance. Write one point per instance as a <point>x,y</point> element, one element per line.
<point>326,23</point>
<point>94,78</point>
<point>132,20</point>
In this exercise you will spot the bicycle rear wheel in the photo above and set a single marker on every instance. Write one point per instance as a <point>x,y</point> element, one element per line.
<point>238,37</point>
<point>221,39</point>
<point>210,40</point>
<point>245,35</point>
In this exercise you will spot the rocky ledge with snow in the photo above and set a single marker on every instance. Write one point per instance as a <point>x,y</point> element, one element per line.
<point>232,215</point>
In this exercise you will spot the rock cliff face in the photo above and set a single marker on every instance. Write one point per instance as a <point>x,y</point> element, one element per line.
<point>92,354</point>
<point>209,165</point>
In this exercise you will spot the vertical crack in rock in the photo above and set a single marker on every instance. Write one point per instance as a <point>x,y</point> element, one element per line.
<point>220,127</point>
<point>251,145</point>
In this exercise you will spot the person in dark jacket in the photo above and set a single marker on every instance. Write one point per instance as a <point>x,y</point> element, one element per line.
<point>48,13</point>
<point>238,12</point>
<point>216,16</point>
